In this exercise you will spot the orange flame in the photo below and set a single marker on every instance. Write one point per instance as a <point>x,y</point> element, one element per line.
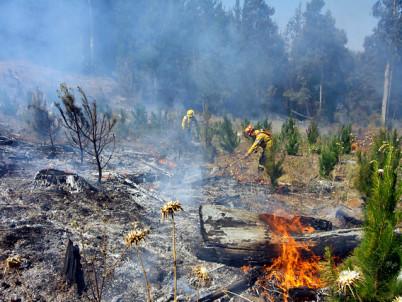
<point>162,160</point>
<point>290,269</point>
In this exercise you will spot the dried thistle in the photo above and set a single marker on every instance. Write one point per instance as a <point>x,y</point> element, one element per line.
<point>346,279</point>
<point>170,208</point>
<point>13,262</point>
<point>202,272</point>
<point>136,236</point>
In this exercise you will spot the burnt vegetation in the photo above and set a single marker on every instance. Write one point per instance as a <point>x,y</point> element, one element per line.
<point>325,205</point>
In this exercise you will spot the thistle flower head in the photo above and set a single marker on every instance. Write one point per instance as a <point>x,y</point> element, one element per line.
<point>170,208</point>
<point>136,236</point>
<point>202,272</point>
<point>347,278</point>
<point>13,262</point>
<point>397,299</point>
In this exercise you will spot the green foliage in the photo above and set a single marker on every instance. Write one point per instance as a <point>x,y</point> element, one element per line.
<point>313,132</point>
<point>39,118</point>
<point>328,271</point>
<point>379,255</point>
<point>346,138</point>
<point>362,179</point>
<point>273,166</point>
<point>329,156</point>
<point>291,136</point>
<point>228,138</point>
<point>263,125</point>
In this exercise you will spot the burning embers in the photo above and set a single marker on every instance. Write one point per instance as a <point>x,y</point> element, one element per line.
<point>297,266</point>
<point>162,160</point>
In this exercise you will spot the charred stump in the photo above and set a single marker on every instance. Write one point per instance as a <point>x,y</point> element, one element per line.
<point>72,268</point>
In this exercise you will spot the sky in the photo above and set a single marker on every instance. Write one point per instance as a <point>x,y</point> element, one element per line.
<point>353,16</point>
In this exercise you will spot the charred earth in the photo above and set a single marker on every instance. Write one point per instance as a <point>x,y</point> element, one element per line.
<point>45,192</point>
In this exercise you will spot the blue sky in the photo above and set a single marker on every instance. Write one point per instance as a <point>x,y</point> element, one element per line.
<point>354,16</point>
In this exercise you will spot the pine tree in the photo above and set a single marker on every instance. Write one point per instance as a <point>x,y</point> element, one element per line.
<point>313,132</point>
<point>227,135</point>
<point>374,268</point>
<point>273,165</point>
<point>379,256</point>
<point>291,135</point>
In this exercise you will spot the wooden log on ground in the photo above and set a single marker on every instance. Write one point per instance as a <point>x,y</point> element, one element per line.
<point>236,237</point>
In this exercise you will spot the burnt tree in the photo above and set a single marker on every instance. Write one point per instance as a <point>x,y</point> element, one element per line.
<point>42,122</point>
<point>99,134</point>
<point>73,120</point>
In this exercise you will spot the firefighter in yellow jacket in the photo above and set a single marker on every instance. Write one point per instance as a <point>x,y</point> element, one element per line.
<point>263,139</point>
<point>189,121</point>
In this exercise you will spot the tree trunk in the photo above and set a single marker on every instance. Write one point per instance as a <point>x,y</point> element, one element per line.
<point>387,92</point>
<point>237,237</point>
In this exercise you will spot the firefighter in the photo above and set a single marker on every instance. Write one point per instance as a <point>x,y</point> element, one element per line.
<point>189,121</point>
<point>263,139</point>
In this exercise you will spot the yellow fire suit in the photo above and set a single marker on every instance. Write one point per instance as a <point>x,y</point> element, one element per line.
<point>264,141</point>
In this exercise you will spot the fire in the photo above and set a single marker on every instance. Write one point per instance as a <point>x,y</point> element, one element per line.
<point>162,160</point>
<point>290,269</point>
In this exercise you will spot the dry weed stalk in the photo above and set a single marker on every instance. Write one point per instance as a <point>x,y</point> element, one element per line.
<point>14,263</point>
<point>203,275</point>
<point>172,207</point>
<point>136,236</point>
<point>90,268</point>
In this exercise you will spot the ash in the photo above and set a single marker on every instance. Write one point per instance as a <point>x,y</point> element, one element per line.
<point>44,192</point>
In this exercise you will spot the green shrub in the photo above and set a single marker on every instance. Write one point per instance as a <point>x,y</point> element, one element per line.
<point>273,166</point>
<point>228,138</point>
<point>313,132</point>
<point>291,136</point>
<point>346,138</point>
<point>376,262</point>
<point>329,157</point>
<point>263,125</point>
<point>362,179</point>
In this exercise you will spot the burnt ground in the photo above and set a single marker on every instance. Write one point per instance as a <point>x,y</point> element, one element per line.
<point>37,213</point>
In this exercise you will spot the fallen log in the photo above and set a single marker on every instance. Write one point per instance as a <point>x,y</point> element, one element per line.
<point>236,287</point>
<point>236,237</point>
<point>137,187</point>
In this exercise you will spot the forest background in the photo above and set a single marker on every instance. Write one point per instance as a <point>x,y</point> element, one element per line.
<point>187,53</point>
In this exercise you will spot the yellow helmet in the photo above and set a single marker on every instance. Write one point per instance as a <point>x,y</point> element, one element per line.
<point>190,112</point>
